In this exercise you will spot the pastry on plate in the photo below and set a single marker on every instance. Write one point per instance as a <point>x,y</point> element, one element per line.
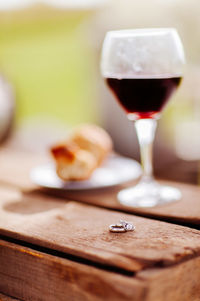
<point>73,163</point>
<point>82,153</point>
<point>93,139</point>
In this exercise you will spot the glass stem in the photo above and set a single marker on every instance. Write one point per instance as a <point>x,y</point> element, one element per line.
<point>145,129</point>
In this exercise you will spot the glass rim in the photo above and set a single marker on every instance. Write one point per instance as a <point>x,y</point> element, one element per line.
<point>130,37</point>
<point>143,31</point>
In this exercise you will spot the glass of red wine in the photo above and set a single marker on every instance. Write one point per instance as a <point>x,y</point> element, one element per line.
<point>143,67</point>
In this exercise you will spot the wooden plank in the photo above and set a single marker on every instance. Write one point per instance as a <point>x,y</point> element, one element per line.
<point>26,213</point>
<point>16,166</point>
<point>82,231</point>
<point>186,211</point>
<point>33,275</point>
<point>178,283</point>
<point>7,298</point>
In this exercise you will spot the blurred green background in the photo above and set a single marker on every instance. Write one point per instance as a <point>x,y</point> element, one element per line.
<point>46,56</point>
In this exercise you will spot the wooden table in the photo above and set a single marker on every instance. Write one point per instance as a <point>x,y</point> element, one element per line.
<point>58,247</point>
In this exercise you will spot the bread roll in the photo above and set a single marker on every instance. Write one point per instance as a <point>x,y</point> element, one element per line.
<point>82,153</point>
<point>73,163</point>
<point>93,139</point>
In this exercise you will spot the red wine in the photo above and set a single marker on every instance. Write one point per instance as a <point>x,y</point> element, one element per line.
<point>143,97</point>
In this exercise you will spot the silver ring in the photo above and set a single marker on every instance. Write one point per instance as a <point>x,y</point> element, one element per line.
<point>122,226</point>
<point>128,226</point>
<point>117,228</point>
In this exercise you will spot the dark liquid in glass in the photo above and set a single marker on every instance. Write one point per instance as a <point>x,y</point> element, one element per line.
<point>143,97</point>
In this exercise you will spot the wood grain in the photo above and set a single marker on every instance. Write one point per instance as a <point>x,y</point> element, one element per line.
<point>33,275</point>
<point>7,298</point>
<point>15,170</point>
<point>186,211</point>
<point>82,230</point>
<point>178,283</point>
<point>73,256</point>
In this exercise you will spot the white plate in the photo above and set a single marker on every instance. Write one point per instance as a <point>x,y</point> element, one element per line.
<point>116,170</point>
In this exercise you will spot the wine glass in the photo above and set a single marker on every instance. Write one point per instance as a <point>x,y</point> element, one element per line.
<point>143,67</point>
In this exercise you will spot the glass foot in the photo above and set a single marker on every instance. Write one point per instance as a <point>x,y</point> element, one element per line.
<point>148,194</point>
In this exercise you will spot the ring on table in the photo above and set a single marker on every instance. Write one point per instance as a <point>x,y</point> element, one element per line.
<point>118,228</point>
<point>128,226</point>
<point>122,226</point>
